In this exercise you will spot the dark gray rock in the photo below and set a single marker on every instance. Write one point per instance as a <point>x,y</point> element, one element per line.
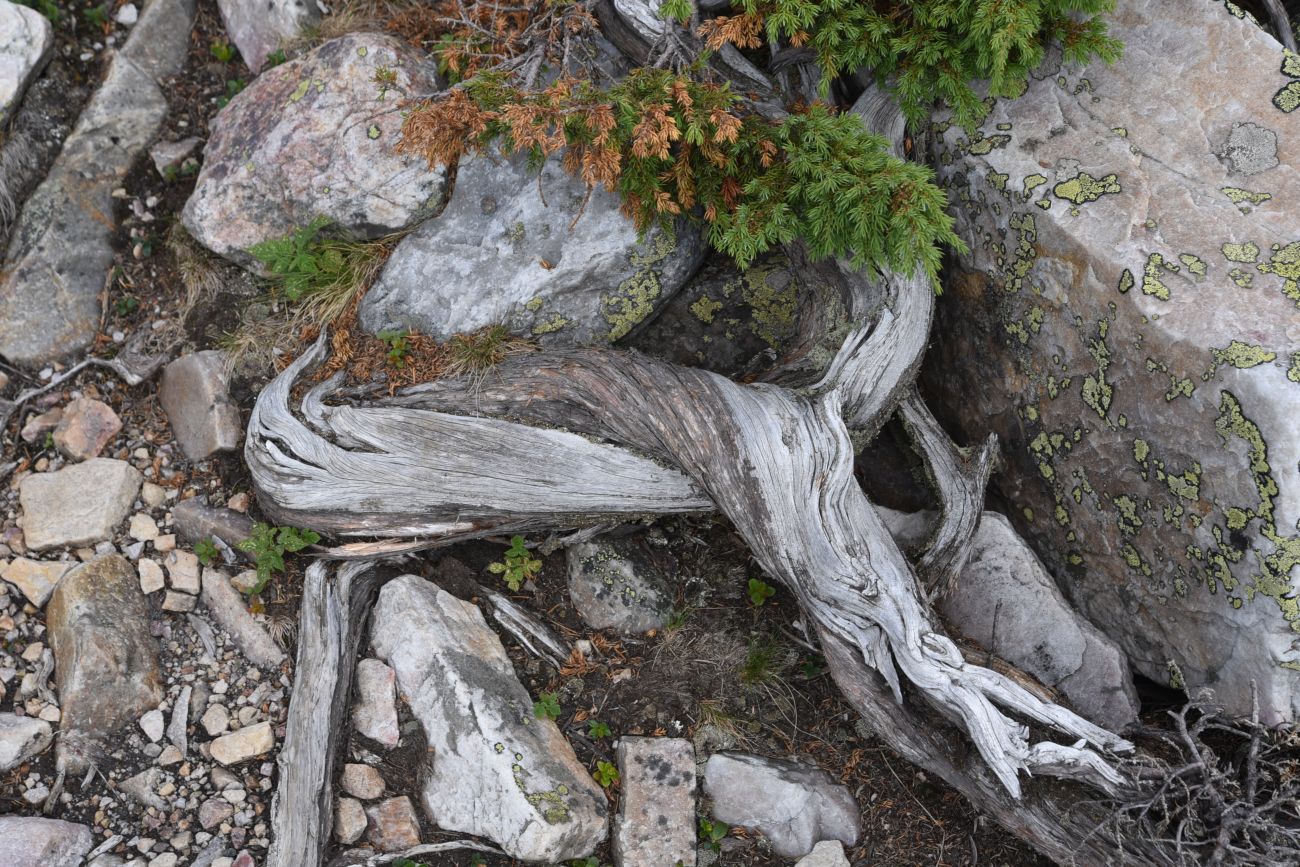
<point>613,585</point>
<point>194,520</point>
<point>78,505</point>
<point>795,805</point>
<point>22,738</point>
<point>31,842</point>
<point>61,248</point>
<point>105,658</point>
<point>656,821</point>
<point>496,771</point>
<point>196,397</point>
<point>538,256</point>
<point>1127,322</point>
<point>316,137</point>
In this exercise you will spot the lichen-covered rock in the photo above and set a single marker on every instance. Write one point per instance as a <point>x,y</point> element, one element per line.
<point>614,585</point>
<point>496,770</point>
<point>104,656</point>
<point>540,256</point>
<point>316,137</point>
<point>26,41</point>
<point>1128,323</point>
<point>258,27</point>
<point>656,821</point>
<point>61,248</point>
<point>1006,601</point>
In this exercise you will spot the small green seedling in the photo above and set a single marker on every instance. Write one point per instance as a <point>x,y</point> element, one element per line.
<point>126,305</point>
<point>206,551</point>
<point>399,347</point>
<point>222,50</point>
<point>760,591</point>
<point>97,16</point>
<point>712,833</point>
<point>597,729</point>
<point>606,774</point>
<point>268,545</point>
<point>275,58</point>
<point>518,566</point>
<point>233,87</point>
<point>547,706</point>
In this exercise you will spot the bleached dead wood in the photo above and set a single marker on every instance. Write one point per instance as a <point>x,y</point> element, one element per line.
<point>335,605</point>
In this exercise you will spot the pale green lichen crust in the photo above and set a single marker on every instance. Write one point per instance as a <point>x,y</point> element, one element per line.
<point>1084,188</point>
<point>634,299</point>
<point>551,804</point>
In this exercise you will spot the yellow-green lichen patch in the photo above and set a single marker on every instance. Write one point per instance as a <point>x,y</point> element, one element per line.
<point>551,804</point>
<point>1097,391</point>
<point>1243,355</point>
<point>534,305</point>
<point>373,132</point>
<point>1290,63</point>
<point>301,90</point>
<point>1125,281</point>
<point>1287,99</point>
<point>550,326</point>
<point>982,145</point>
<point>1084,188</point>
<point>1193,264</point>
<point>1151,282</point>
<point>1044,203</point>
<point>1293,373</point>
<point>1285,263</point>
<point>772,305</point>
<point>1141,448</point>
<point>1119,131</point>
<point>1033,182</point>
<point>998,181</point>
<point>705,308</point>
<point>634,299</point>
<point>1247,253</point>
<point>1243,279</point>
<point>1244,198</point>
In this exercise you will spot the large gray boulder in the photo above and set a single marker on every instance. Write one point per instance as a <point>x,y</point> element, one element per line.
<point>31,842</point>
<point>104,656</point>
<point>1127,322</point>
<point>26,41</point>
<point>545,256</point>
<point>316,137</point>
<point>61,248</point>
<point>495,769</point>
<point>258,27</point>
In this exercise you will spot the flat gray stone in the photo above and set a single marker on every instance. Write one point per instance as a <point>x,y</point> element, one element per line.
<point>32,842</point>
<point>1127,322</point>
<point>61,248</point>
<point>496,770</point>
<point>795,805</point>
<point>656,821</point>
<point>195,520</point>
<point>35,578</point>
<point>78,505</point>
<point>349,820</point>
<point>613,585</point>
<point>1005,601</point>
<point>258,27</point>
<point>316,137</point>
<point>196,397</point>
<point>227,607</point>
<point>375,712</point>
<point>827,853</point>
<point>26,42</point>
<point>105,658</point>
<point>510,249</point>
<point>22,738</point>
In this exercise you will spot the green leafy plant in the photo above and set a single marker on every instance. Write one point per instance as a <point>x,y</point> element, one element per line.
<point>233,87</point>
<point>760,591</point>
<point>305,263</point>
<point>518,565</point>
<point>222,50</point>
<point>547,706</point>
<point>398,346</point>
<point>275,58</point>
<point>606,774</point>
<point>206,550</point>
<point>97,16</point>
<point>712,833</point>
<point>597,729</point>
<point>269,544</point>
<point>126,305</point>
<point>49,8</point>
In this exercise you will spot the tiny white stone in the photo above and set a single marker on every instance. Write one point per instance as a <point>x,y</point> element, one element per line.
<point>151,576</point>
<point>153,725</point>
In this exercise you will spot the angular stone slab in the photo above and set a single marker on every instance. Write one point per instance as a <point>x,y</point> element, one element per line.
<point>495,769</point>
<point>79,504</point>
<point>656,821</point>
<point>26,42</point>
<point>316,137</point>
<point>535,254</point>
<point>105,659</point>
<point>1128,323</point>
<point>22,738</point>
<point>258,27</point>
<point>27,841</point>
<point>61,248</point>
<point>196,397</point>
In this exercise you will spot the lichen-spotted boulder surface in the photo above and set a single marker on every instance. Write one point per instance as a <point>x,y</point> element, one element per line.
<point>316,138</point>
<point>495,769</point>
<point>1128,323</point>
<point>545,255</point>
<point>26,41</point>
